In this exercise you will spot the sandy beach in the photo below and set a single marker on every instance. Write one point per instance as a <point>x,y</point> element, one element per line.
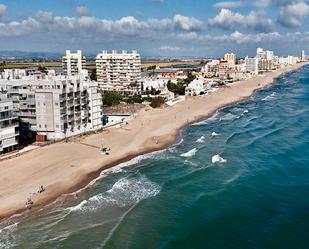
<point>68,166</point>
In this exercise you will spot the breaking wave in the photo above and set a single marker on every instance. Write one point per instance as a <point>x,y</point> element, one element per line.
<point>126,191</point>
<point>206,121</point>
<point>201,140</point>
<point>190,153</point>
<point>270,97</point>
<point>215,134</point>
<point>218,159</point>
<point>229,117</point>
<point>7,236</point>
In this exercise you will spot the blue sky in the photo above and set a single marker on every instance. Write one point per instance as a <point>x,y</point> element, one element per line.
<point>204,28</point>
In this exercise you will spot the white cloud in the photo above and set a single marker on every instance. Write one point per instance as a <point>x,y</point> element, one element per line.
<point>227,19</point>
<point>228,4</point>
<point>170,48</point>
<point>82,10</point>
<point>2,10</point>
<point>292,15</point>
<point>187,23</point>
<point>44,16</point>
<point>91,26</point>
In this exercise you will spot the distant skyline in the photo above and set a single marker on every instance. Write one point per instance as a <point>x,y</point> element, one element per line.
<point>156,27</point>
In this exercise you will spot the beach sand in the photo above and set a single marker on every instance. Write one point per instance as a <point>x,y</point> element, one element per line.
<point>66,167</point>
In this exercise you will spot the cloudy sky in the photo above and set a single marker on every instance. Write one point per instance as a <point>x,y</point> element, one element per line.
<point>204,28</point>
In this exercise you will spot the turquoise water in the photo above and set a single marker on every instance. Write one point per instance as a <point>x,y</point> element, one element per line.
<point>237,180</point>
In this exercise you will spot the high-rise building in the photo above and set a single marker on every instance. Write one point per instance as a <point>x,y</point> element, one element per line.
<point>77,95</point>
<point>8,125</point>
<point>119,72</point>
<point>264,54</point>
<point>73,63</point>
<point>230,58</point>
<point>303,55</point>
<point>266,59</point>
<point>66,107</point>
<point>252,65</point>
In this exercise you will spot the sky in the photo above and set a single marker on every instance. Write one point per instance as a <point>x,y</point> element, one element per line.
<point>202,28</point>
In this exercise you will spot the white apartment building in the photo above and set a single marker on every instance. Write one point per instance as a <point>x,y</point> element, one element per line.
<point>73,63</point>
<point>252,65</point>
<point>13,74</point>
<point>66,107</point>
<point>230,58</point>
<point>303,55</point>
<point>266,59</point>
<point>119,72</point>
<point>8,125</point>
<point>264,54</point>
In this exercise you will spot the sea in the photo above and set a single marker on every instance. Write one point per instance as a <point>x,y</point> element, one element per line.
<point>239,179</point>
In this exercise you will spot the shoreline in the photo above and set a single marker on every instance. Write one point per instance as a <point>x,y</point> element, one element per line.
<point>72,166</point>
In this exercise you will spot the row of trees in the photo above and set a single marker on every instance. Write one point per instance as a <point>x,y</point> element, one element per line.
<point>115,98</point>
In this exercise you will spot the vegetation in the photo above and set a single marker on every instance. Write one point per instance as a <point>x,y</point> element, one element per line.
<point>181,85</point>
<point>157,102</point>
<point>93,75</point>
<point>153,67</point>
<point>112,98</point>
<point>152,91</point>
<point>134,99</point>
<point>42,69</point>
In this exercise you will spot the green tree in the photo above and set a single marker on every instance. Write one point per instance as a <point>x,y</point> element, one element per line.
<point>93,75</point>
<point>42,69</point>
<point>112,98</point>
<point>157,102</point>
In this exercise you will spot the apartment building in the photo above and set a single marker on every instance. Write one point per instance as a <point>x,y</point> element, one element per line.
<point>73,63</point>
<point>66,107</point>
<point>252,65</point>
<point>265,65</point>
<point>303,56</point>
<point>8,125</point>
<point>22,93</point>
<point>230,58</point>
<point>119,72</point>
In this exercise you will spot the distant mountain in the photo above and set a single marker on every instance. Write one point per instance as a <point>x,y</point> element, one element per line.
<point>22,55</point>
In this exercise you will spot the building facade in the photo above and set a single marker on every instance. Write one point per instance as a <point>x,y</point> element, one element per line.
<point>119,72</point>
<point>230,58</point>
<point>252,65</point>
<point>8,125</point>
<point>67,107</point>
<point>73,63</point>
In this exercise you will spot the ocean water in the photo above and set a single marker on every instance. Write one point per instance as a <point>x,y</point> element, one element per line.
<point>237,180</point>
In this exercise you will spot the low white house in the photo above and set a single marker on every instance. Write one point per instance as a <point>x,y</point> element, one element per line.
<point>199,86</point>
<point>196,87</point>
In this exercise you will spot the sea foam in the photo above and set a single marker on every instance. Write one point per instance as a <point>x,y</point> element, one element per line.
<point>201,140</point>
<point>229,117</point>
<point>190,153</point>
<point>269,97</point>
<point>218,159</point>
<point>7,236</point>
<point>126,191</point>
<point>215,134</point>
